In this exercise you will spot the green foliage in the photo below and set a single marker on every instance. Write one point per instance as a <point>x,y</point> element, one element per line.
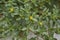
<point>18,17</point>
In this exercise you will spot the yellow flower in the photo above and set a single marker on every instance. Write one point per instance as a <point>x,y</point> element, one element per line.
<point>11,9</point>
<point>40,23</point>
<point>30,17</point>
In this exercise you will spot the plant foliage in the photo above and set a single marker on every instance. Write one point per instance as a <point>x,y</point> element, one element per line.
<point>19,17</point>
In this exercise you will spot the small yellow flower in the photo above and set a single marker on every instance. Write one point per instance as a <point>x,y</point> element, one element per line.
<point>40,23</point>
<point>11,9</point>
<point>30,17</point>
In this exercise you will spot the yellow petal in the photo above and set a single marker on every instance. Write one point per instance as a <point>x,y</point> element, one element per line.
<point>30,17</point>
<point>11,9</point>
<point>40,23</point>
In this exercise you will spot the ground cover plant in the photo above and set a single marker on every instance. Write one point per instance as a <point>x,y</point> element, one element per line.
<point>19,17</point>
